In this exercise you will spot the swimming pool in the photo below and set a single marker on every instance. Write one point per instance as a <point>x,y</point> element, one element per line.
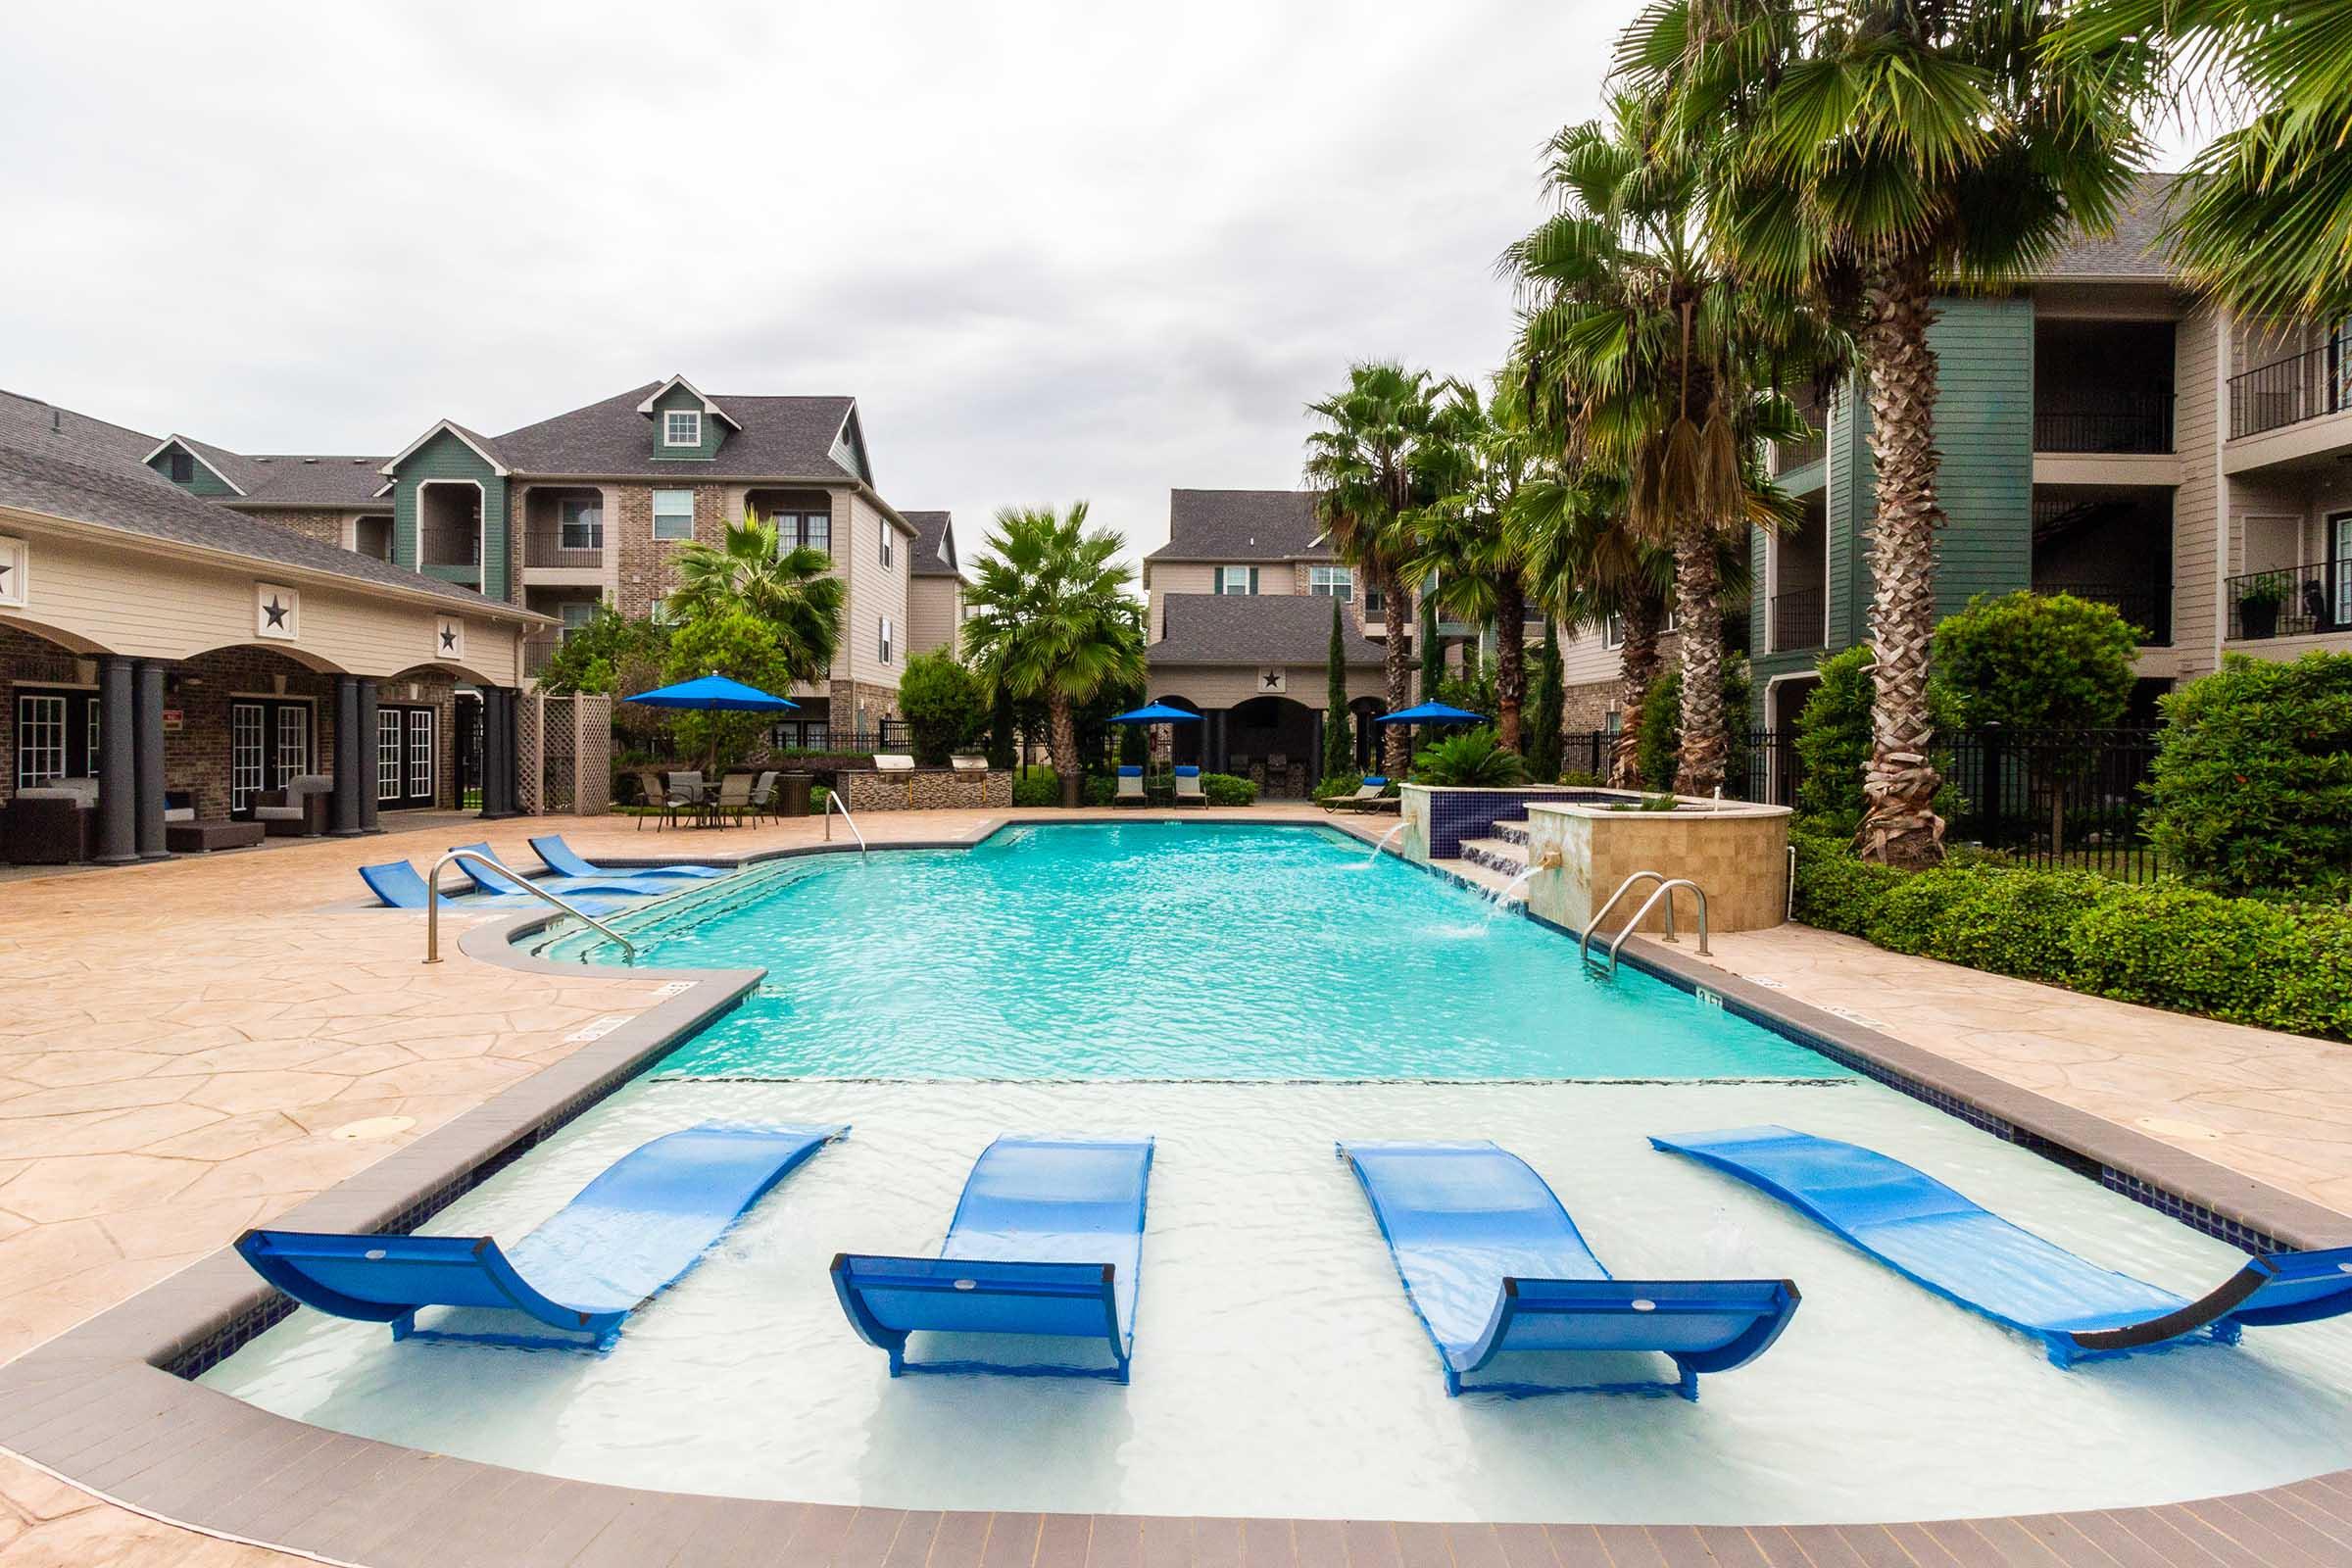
<point>1279,1369</point>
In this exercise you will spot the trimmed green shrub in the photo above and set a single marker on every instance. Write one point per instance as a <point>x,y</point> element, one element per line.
<point>943,706</point>
<point>1041,788</point>
<point>2017,923</point>
<point>1224,789</point>
<point>1833,739</point>
<point>1338,784</point>
<point>2175,947</point>
<point>1546,703</point>
<point>1582,778</point>
<point>1099,789</point>
<point>2253,777</point>
<point>2029,660</point>
<point>1837,890</point>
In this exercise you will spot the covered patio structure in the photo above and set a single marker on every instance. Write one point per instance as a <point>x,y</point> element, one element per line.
<point>164,660</point>
<point>1255,668</point>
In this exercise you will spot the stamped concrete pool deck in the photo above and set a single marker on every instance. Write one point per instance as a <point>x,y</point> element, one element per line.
<point>199,1045</point>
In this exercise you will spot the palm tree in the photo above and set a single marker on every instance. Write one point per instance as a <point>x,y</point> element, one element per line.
<point>1586,568</point>
<point>2267,227</point>
<point>1868,154</point>
<point>1476,461</point>
<point>1047,618</point>
<point>1663,363</point>
<point>1361,463</point>
<point>794,591</point>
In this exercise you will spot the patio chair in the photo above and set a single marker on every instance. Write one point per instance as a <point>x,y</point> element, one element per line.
<point>629,1235</point>
<point>300,811</point>
<point>763,798</point>
<point>1188,786</point>
<point>1491,1264</point>
<point>652,792</point>
<point>684,795</point>
<point>734,797</point>
<point>1131,786</point>
<point>1371,789</point>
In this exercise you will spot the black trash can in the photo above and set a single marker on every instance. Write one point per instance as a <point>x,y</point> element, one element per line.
<point>792,793</point>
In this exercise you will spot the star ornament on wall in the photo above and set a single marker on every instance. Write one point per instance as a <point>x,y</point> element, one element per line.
<point>448,640</point>
<point>275,610</point>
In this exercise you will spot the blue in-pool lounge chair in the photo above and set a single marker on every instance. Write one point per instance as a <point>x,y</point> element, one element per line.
<point>1492,1263</point>
<point>1188,785</point>
<point>397,883</point>
<point>1046,1239</point>
<point>565,861</point>
<point>1131,784</point>
<point>506,878</point>
<point>1921,1228</point>
<point>629,1235</point>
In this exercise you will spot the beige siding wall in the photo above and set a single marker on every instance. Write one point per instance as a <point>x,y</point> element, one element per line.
<point>1584,659</point>
<point>876,591</point>
<point>134,602</point>
<point>2196,502</point>
<point>1174,578</point>
<point>934,612</point>
<point>1224,685</point>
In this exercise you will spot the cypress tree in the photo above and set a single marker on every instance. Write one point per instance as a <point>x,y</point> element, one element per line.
<point>1433,657</point>
<point>1339,747</point>
<point>1547,701</point>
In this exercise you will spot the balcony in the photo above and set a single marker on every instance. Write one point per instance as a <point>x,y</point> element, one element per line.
<point>2301,386</point>
<point>2139,425</point>
<point>565,544</point>
<point>537,650</point>
<point>2307,601</point>
<point>1790,456</point>
<point>2147,605</point>
<point>1799,621</point>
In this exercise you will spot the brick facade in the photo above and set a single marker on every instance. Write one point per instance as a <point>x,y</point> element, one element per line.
<point>1586,707</point>
<point>322,524</point>
<point>647,573</point>
<point>880,703</point>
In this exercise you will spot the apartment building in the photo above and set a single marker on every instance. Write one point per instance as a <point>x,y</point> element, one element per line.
<point>592,506</point>
<point>2104,433</point>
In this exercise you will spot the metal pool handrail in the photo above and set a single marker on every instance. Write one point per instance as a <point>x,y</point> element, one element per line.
<point>1583,944</point>
<point>833,800</point>
<point>433,904</point>
<point>1664,890</point>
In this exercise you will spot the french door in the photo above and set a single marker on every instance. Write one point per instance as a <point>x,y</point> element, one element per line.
<point>270,742</point>
<point>407,756</point>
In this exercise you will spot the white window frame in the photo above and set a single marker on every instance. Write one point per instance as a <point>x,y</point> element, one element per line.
<point>1248,581</point>
<point>887,547</point>
<point>423,727</point>
<point>391,729</point>
<point>886,641</point>
<point>44,734</point>
<point>565,522</point>
<point>670,427</point>
<point>658,515</point>
<point>1336,582</point>
<point>564,612</point>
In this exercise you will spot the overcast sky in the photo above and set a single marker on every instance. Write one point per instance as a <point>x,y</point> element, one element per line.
<point>1055,251</point>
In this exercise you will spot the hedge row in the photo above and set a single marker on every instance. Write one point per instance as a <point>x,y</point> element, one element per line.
<point>2247,960</point>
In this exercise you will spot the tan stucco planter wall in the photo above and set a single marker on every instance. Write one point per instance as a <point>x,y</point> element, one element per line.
<point>1740,855</point>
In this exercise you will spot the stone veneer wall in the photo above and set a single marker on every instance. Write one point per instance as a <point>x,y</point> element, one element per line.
<point>881,703</point>
<point>1586,707</point>
<point>1738,856</point>
<point>925,788</point>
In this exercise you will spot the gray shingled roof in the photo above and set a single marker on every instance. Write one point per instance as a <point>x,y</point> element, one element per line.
<point>136,500</point>
<point>2134,249</point>
<point>1253,629</point>
<point>1239,526</point>
<point>782,438</point>
<point>933,552</point>
<point>313,480</point>
<point>42,426</point>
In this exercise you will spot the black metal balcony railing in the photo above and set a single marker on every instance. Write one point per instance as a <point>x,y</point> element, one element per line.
<point>1790,456</point>
<point>537,650</point>
<point>554,544</point>
<point>2147,605</point>
<point>1798,619</point>
<point>2301,386</point>
<point>2140,424</point>
<point>2290,601</point>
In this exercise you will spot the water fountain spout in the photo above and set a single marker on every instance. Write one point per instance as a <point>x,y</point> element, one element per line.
<point>1384,843</point>
<point>1551,861</point>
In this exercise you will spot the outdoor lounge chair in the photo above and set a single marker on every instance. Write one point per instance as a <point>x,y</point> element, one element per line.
<point>1047,1239</point>
<point>1924,1230</point>
<point>303,809</point>
<point>396,884</point>
<point>629,1235</point>
<point>1188,786</point>
<point>1373,788</point>
<point>506,879</point>
<point>1492,1264</point>
<point>565,861</point>
<point>1131,786</point>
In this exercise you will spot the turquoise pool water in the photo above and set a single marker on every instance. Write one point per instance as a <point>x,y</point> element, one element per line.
<point>1184,951</point>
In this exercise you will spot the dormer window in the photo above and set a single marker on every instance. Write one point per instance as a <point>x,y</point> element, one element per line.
<point>682,428</point>
<point>183,468</point>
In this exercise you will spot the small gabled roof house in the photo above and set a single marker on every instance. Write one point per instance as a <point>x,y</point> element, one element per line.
<point>1240,613</point>
<point>934,584</point>
<point>336,497</point>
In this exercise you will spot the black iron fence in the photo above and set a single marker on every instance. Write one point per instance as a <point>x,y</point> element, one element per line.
<point>2301,386</point>
<point>2290,601</point>
<point>816,735</point>
<point>1799,619</point>
<point>2137,424</point>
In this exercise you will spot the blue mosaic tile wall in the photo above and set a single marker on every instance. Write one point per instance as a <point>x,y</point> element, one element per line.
<point>1458,814</point>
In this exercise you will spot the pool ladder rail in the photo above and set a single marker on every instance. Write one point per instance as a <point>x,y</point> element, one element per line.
<point>833,800</point>
<point>432,902</point>
<point>1664,890</point>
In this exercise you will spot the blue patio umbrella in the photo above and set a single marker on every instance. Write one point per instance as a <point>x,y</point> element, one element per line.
<point>1155,713</point>
<point>1431,713</point>
<point>715,693</point>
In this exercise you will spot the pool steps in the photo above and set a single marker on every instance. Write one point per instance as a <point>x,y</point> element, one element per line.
<point>1504,853</point>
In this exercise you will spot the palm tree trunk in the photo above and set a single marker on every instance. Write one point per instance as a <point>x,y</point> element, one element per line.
<point>1510,661</point>
<point>1644,618</point>
<point>1062,722</point>
<point>1698,601</point>
<point>1396,749</point>
<point>1899,824</point>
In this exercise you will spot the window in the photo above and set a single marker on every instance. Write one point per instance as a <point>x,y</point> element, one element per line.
<point>682,428</point>
<point>887,639</point>
<point>1612,722</point>
<point>1376,604</point>
<point>888,545</point>
<point>373,537</point>
<point>804,530</point>
<point>388,750</point>
<point>1612,632</point>
<point>1331,582</point>
<point>576,613</point>
<point>183,468</point>
<point>580,524</point>
<point>40,740</point>
<point>1237,579</point>
<point>673,513</point>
